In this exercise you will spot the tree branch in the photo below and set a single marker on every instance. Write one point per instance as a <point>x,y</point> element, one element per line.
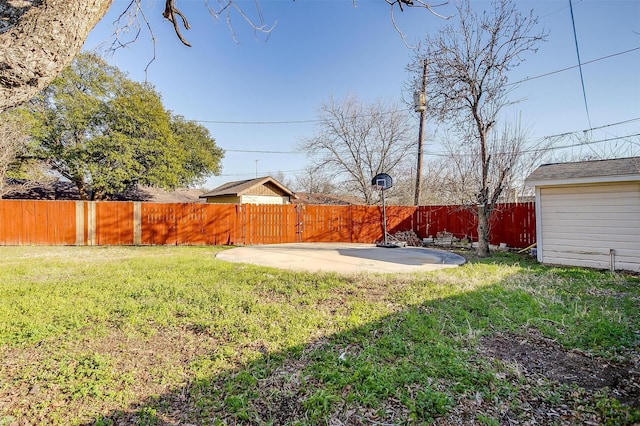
<point>170,12</point>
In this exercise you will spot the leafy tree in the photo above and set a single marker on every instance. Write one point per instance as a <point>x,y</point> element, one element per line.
<point>107,134</point>
<point>39,38</point>
<point>355,141</point>
<point>468,64</point>
<point>203,156</point>
<point>16,166</point>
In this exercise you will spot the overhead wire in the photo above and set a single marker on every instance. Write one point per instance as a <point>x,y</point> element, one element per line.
<point>311,121</point>
<point>575,38</point>
<point>551,148</point>
<point>539,139</point>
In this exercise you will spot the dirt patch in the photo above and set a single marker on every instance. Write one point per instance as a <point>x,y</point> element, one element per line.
<point>544,357</point>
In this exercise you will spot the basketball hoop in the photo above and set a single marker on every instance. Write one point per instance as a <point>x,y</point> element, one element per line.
<point>381,182</point>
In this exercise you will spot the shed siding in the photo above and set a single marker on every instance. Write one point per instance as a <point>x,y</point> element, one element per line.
<point>224,199</point>
<point>580,224</point>
<point>268,189</point>
<point>262,199</point>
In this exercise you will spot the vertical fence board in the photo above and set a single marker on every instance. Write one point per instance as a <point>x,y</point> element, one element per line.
<point>326,224</point>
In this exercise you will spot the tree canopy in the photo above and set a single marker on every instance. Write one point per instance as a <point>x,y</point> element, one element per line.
<point>107,134</point>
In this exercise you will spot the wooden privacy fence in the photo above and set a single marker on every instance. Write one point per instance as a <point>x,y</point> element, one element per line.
<point>28,222</point>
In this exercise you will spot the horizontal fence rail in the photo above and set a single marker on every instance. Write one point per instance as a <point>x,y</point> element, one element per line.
<point>28,222</point>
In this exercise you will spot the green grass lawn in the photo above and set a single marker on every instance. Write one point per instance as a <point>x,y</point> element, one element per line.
<point>171,335</point>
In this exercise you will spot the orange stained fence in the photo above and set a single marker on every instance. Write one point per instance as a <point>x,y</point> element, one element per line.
<point>27,222</point>
<point>24,222</point>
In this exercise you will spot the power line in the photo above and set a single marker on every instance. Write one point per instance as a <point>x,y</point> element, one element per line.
<point>575,37</point>
<point>257,122</point>
<point>631,120</point>
<point>524,80</point>
<point>263,152</point>
<point>551,148</point>
<point>540,138</point>
<point>253,173</point>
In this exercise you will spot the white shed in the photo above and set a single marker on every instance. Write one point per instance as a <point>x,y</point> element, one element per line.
<point>588,213</point>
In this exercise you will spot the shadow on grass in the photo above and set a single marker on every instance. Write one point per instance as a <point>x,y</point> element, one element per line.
<point>414,366</point>
<point>405,255</point>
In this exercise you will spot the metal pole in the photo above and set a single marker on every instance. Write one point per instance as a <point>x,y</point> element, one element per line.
<point>384,219</point>
<point>416,199</point>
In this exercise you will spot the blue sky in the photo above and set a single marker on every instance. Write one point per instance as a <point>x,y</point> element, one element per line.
<point>323,48</point>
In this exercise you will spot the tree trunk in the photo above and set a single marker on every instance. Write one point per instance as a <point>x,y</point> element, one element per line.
<point>39,43</point>
<point>483,231</point>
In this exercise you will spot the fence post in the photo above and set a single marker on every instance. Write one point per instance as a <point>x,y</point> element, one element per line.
<point>79,223</point>
<point>137,223</point>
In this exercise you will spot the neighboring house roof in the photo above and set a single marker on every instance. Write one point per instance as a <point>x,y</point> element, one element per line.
<point>244,187</point>
<point>326,199</point>
<point>63,190</point>
<point>597,171</point>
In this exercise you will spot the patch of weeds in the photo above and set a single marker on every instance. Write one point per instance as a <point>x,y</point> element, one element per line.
<point>486,420</point>
<point>7,420</point>
<point>148,416</point>
<point>319,404</point>
<point>612,412</point>
<point>237,405</point>
<point>428,404</point>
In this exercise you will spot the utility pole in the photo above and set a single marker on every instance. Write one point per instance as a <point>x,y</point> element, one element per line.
<point>420,104</point>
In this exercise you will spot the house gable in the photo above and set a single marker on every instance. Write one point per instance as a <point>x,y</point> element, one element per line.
<point>265,190</point>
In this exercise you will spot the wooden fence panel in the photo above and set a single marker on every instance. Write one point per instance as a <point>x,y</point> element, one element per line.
<point>190,225</point>
<point>269,224</point>
<point>25,222</point>
<point>114,223</point>
<point>455,219</point>
<point>400,218</point>
<point>124,223</point>
<point>220,224</point>
<point>366,224</point>
<point>513,224</point>
<point>159,224</point>
<point>325,224</point>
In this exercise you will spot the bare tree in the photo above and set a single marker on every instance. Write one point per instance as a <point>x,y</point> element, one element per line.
<point>314,180</point>
<point>354,142</point>
<point>468,66</point>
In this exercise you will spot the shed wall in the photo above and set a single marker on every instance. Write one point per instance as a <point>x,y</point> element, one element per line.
<point>581,224</point>
<point>224,199</point>
<point>262,199</point>
<point>268,189</point>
